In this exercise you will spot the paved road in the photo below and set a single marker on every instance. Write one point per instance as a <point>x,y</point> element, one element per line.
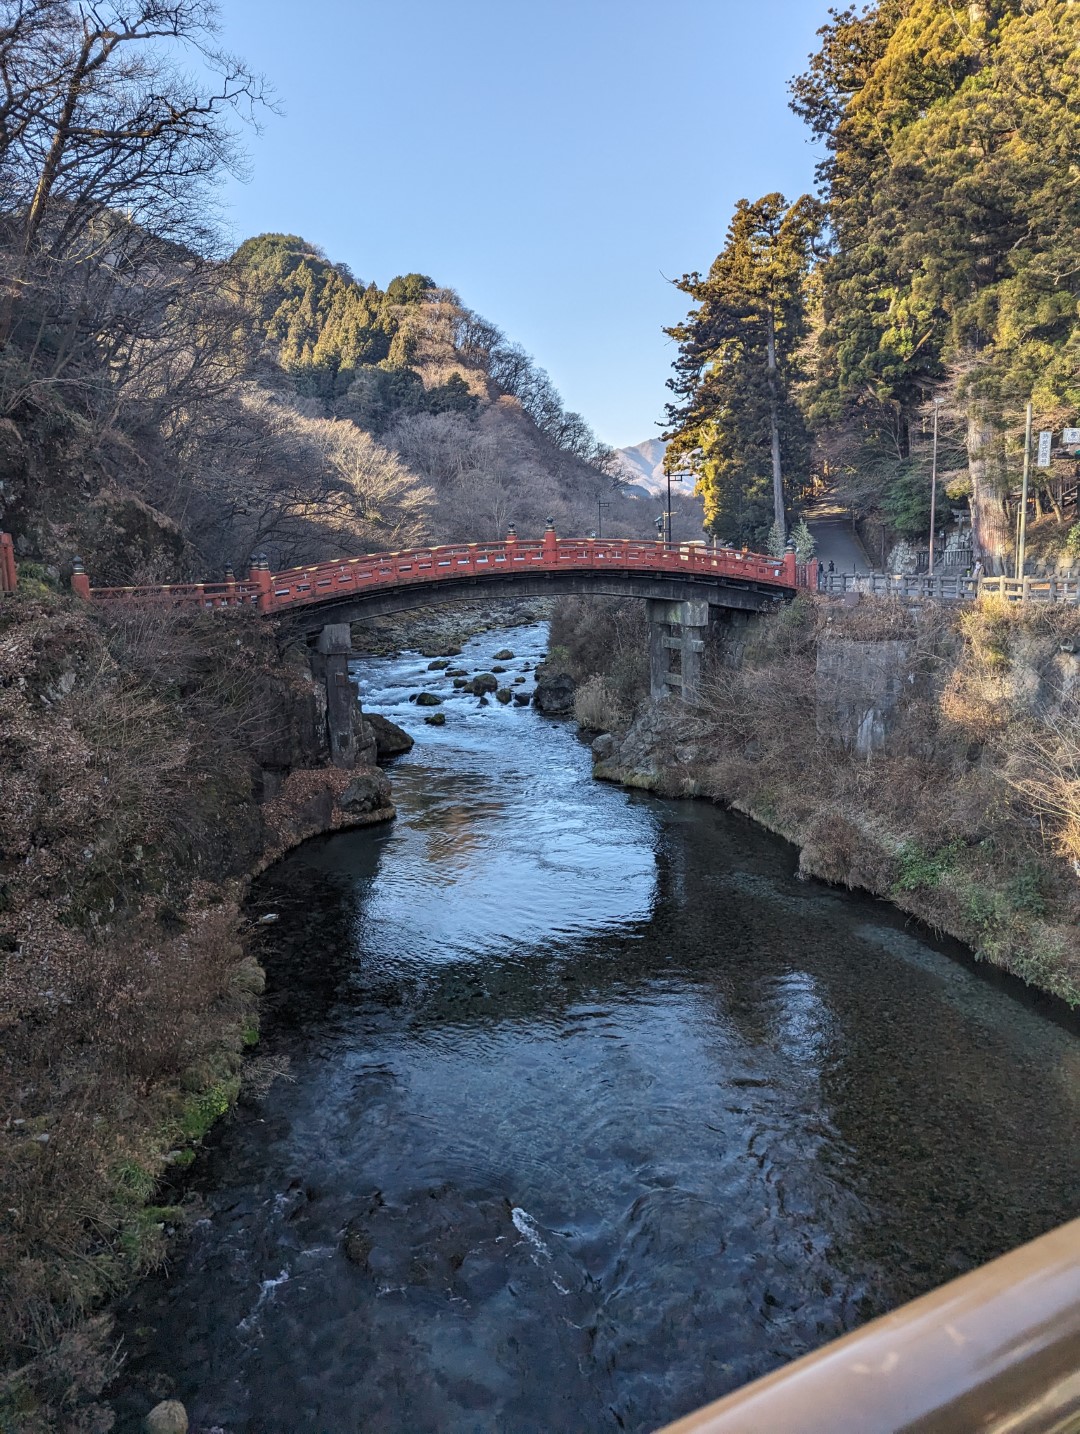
<point>836,542</point>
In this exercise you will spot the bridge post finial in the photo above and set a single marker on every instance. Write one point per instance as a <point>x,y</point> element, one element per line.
<point>511,535</point>
<point>260,576</point>
<point>80,583</point>
<point>551,542</point>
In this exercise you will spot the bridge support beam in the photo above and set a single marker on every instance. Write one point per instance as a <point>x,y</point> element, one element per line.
<point>348,736</point>
<point>677,632</point>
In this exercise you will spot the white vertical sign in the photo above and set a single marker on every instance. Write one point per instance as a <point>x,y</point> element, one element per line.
<point>1045,440</point>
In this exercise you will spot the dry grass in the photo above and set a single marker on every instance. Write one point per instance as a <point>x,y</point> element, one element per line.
<point>970,815</point>
<point>130,751</point>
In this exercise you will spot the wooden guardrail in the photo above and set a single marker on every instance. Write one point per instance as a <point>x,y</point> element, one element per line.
<point>996,1351</point>
<point>9,576</point>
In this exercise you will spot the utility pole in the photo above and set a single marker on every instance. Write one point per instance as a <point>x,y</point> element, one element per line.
<point>1022,539</point>
<point>672,478</point>
<point>601,504</point>
<point>933,485</point>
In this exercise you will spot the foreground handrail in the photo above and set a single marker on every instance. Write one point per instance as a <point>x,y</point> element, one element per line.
<point>994,1352</point>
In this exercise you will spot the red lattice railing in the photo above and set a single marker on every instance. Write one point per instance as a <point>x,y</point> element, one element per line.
<point>325,582</point>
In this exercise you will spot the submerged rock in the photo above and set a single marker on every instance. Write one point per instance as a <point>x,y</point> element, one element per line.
<point>390,739</point>
<point>428,699</point>
<point>504,695</point>
<point>522,699</point>
<point>439,665</point>
<point>437,719</point>
<point>504,655</point>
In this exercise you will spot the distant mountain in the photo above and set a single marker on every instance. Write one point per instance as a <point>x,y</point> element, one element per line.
<point>643,464</point>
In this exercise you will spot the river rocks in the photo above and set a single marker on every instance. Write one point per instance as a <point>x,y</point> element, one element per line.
<point>518,681</point>
<point>168,1417</point>
<point>503,695</point>
<point>498,669</point>
<point>484,682</point>
<point>554,695</point>
<point>437,719</point>
<point>504,655</point>
<point>522,699</point>
<point>390,739</point>
<point>440,631</point>
<point>367,792</point>
<point>439,665</point>
<point>457,672</point>
<point>428,699</point>
<point>460,682</point>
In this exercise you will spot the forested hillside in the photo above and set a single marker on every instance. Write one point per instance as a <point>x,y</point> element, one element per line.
<point>165,411</point>
<point>938,264</point>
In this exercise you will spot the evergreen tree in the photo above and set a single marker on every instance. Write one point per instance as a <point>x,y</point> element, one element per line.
<point>952,136</point>
<point>738,421</point>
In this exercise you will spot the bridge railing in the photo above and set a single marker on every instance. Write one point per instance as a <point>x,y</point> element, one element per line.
<point>998,1349</point>
<point>322,582</point>
<point>241,593</point>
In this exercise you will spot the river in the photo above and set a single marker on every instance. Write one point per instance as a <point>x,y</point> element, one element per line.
<point>591,1110</point>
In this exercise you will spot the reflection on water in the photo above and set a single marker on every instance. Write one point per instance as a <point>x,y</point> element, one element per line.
<point>595,1111</point>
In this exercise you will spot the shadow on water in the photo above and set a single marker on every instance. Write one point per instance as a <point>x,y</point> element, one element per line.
<point>593,1110</point>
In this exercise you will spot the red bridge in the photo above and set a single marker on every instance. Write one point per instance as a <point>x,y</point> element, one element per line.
<point>352,588</point>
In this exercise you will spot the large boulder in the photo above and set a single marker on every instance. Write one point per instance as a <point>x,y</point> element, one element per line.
<point>390,739</point>
<point>554,695</point>
<point>484,682</point>
<point>366,792</point>
<point>168,1417</point>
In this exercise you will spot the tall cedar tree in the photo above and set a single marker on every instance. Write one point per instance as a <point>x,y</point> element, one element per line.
<point>738,423</point>
<point>953,134</point>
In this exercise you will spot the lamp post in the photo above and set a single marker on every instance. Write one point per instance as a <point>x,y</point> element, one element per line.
<point>933,484</point>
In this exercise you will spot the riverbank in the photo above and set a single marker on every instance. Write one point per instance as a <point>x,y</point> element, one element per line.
<point>153,763</point>
<point>438,631</point>
<point>924,755</point>
<point>593,1109</point>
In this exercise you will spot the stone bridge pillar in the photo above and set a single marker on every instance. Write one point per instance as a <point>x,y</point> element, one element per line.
<point>348,735</point>
<point>676,634</point>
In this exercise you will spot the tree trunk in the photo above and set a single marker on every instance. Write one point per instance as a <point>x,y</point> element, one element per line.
<point>774,430</point>
<point>989,521</point>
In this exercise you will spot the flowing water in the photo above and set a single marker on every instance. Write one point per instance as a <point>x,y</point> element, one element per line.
<point>593,1110</point>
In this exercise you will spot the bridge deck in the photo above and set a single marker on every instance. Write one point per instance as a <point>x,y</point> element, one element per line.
<point>325,583</point>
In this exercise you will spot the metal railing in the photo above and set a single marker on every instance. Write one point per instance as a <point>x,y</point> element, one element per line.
<point>996,1351</point>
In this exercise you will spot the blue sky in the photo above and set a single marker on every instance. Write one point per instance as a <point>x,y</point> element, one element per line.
<point>555,162</point>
